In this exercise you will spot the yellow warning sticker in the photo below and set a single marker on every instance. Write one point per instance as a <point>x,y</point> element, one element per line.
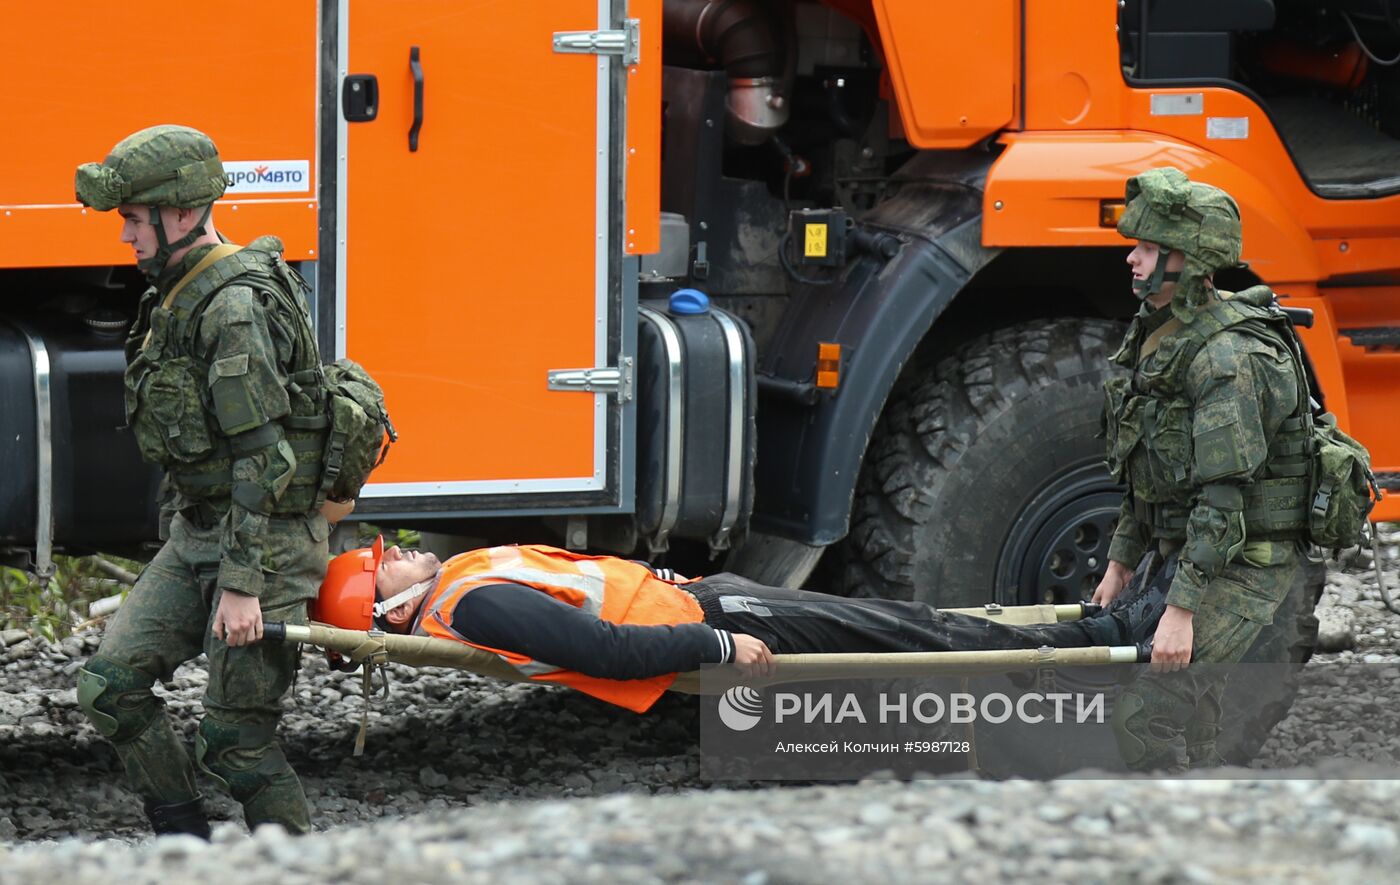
<point>815,246</point>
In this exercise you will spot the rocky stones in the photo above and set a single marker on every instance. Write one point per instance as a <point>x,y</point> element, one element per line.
<point>431,778</point>
<point>1335,628</point>
<point>890,831</point>
<point>465,778</point>
<point>1370,837</point>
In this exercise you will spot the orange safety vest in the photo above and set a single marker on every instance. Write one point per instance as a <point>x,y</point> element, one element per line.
<point>616,590</point>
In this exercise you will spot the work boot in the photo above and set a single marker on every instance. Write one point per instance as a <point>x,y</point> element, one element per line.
<point>1140,613</point>
<point>1137,610</point>
<point>181,817</point>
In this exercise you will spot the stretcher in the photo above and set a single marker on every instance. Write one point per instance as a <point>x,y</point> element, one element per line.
<point>374,648</point>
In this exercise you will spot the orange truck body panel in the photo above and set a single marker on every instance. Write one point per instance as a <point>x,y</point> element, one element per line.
<point>251,86</point>
<point>445,300</point>
<point>643,160</point>
<point>953,65</point>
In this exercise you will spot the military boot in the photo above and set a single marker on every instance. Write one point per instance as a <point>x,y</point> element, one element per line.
<point>180,817</point>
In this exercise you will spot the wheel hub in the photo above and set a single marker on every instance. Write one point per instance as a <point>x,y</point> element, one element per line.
<point>1057,549</point>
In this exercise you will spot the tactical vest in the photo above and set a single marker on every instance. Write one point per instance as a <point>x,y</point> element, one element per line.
<point>167,383</point>
<point>1149,423</point>
<point>616,590</point>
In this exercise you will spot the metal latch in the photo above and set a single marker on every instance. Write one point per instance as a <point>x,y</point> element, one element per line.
<point>626,42</point>
<point>616,381</point>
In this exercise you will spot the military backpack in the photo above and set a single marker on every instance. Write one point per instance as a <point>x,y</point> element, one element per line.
<point>1343,488</point>
<point>359,432</point>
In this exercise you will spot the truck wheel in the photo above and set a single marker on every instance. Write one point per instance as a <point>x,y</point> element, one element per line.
<point>984,480</point>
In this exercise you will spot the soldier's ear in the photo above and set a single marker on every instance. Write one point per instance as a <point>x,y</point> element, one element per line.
<point>184,221</point>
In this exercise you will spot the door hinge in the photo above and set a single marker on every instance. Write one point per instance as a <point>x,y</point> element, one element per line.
<point>626,42</point>
<point>617,381</point>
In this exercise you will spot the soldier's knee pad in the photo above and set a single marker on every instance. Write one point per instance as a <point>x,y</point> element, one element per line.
<point>117,699</point>
<point>1148,726</point>
<point>242,757</point>
<point>1129,723</point>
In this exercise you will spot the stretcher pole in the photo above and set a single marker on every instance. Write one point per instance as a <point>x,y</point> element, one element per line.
<point>378,647</point>
<point>1025,615</point>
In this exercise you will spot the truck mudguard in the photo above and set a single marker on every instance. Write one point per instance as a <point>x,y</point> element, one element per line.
<point>811,442</point>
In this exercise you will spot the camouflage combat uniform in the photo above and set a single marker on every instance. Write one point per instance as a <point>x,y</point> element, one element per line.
<point>1208,433</point>
<point>221,390</point>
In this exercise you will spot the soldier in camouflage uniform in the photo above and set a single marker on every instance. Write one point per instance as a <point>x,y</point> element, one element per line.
<point>1208,435</point>
<point>223,389</point>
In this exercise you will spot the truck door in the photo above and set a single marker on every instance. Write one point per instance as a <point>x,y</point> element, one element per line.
<point>478,247</point>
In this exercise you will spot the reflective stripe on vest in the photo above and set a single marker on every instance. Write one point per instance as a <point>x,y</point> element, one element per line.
<point>616,590</point>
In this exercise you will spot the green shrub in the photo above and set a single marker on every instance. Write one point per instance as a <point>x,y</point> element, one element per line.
<point>52,611</point>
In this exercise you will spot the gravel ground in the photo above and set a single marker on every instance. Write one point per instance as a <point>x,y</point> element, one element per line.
<point>471,779</point>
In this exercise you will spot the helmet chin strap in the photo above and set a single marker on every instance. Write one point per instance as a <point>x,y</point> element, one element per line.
<point>385,606</point>
<point>1152,284</point>
<point>153,266</point>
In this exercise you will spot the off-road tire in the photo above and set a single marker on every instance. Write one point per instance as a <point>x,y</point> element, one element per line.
<point>960,449</point>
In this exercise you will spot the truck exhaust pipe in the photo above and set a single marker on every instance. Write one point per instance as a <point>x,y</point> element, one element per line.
<point>739,36</point>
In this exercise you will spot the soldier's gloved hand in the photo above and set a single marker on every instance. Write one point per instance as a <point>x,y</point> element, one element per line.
<point>238,619</point>
<point>1172,644</point>
<point>1115,578</point>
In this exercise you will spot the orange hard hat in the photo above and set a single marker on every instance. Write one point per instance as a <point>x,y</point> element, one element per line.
<point>346,599</point>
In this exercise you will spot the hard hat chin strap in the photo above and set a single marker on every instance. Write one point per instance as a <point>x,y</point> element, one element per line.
<point>385,606</point>
<point>1152,283</point>
<point>153,266</point>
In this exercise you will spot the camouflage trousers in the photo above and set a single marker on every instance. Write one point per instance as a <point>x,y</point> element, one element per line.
<point>167,619</point>
<point>1170,721</point>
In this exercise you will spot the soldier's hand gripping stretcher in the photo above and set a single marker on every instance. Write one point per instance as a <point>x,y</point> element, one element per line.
<point>1171,642</point>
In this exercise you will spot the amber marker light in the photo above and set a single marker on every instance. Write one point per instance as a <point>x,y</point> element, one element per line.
<point>828,365</point>
<point>1110,211</point>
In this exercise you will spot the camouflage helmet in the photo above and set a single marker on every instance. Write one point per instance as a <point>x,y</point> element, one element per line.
<point>159,166</point>
<point>1199,220</point>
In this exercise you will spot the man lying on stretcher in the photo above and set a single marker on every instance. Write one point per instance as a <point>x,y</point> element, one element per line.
<point>620,630</point>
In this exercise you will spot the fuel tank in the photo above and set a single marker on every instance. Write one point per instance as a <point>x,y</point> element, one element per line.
<point>61,390</point>
<point>696,444</point>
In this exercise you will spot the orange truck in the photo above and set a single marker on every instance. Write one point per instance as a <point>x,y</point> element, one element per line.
<point>899,214</point>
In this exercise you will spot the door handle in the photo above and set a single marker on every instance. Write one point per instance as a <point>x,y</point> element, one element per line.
<point>360,98</point>
<point>416,68</point>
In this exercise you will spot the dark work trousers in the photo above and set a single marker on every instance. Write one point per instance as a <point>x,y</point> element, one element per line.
<point>803,622</point>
